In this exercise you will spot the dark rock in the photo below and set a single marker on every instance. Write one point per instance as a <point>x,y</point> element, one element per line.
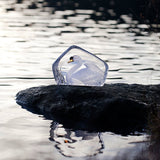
<point>119,108</point>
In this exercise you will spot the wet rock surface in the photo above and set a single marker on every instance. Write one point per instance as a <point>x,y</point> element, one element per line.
<point>120,108</point>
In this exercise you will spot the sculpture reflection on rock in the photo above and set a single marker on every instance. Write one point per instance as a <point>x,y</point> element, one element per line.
<point>76,143</point>
<point>77,66</point>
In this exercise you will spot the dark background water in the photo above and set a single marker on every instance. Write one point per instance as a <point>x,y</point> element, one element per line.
<point>34,33</point>
<point>144,11</point>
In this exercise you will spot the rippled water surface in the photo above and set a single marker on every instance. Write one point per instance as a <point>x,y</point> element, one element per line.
<point>30,41</point>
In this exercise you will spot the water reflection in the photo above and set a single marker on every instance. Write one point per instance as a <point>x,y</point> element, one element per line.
<point>95,145</point>
<point>76,143</point>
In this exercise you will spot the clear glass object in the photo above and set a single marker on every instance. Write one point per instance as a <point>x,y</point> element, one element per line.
<point>76,66</point>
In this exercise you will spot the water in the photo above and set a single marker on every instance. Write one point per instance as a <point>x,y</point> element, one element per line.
<point>30,41</point>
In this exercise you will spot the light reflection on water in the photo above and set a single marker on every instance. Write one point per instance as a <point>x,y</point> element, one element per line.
<point>30,41</point>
